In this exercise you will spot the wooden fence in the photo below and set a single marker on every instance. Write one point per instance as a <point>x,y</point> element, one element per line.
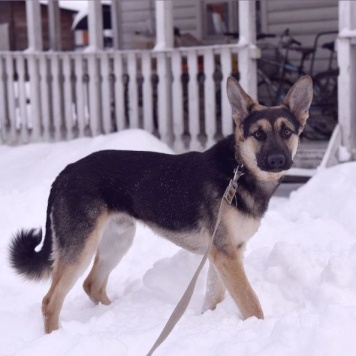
<point>178,95</point>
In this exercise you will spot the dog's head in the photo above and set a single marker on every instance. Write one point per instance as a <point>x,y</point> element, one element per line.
<point>267,137</point>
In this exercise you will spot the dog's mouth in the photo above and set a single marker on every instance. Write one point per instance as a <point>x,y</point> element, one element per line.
<point>270,175</point>
<point>276,170</point>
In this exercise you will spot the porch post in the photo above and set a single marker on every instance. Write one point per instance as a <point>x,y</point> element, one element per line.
<point>34,25</point>
<point>248,52</point>
<point>95,25</point>
<point>35,44</point>
<point>164,24</point>
<point>96,44</point>
<point>164,40</point>
<point>346,51</point>
<point>55,42</point>
<point>115,21</point>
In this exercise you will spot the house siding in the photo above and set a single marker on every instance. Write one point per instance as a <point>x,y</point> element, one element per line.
<point>305,19</point>
<point>187,17</point>
<point>138,16</point>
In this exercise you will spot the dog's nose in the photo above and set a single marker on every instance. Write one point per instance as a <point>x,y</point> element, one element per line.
<point>276,161</point>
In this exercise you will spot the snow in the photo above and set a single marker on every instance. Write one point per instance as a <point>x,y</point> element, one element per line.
<point>302,264</point>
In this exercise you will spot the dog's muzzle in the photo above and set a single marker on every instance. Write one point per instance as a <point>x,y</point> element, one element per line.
<point>275,162</point>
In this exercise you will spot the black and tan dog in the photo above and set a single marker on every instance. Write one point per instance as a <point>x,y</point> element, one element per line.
<point>94,203</point>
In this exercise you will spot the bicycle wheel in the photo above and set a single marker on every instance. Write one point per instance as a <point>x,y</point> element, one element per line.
<point>325,94</point>
<point>271,92</point>
<point>320,125</point>
<point>325,87</point>
<point>323,111</point>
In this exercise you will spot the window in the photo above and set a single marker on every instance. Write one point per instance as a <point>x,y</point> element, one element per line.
<point>219,17</point>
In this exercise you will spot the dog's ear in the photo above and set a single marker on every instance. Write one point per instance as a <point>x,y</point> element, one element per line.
<point>299,98</point>
<point>241,104</point>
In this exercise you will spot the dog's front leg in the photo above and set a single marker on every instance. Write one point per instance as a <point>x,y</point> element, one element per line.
<point>231,269</point>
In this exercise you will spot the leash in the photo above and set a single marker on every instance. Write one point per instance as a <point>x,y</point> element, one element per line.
<point>182,305</point>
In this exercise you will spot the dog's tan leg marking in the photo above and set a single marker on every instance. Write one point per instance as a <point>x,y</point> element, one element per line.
<point>65,274</point>
<point>116,241</point>
<point>233,274</point>
<point>215,289</point>
<point>64,277</point>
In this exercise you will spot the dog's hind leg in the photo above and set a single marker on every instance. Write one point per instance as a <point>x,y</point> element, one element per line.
<point>233,274</point>
<point>116,241</point>
<point>70,263</point>
<point>215,289</point>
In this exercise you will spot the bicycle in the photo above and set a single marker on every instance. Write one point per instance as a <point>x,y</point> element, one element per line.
<point>276,74</point>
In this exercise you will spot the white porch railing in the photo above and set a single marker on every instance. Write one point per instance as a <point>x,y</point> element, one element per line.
<point>178,95</point>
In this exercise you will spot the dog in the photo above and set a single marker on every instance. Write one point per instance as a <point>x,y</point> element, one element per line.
<point>94,203</point>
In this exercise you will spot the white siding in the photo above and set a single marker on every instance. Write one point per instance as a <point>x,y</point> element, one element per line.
<point>136,16</point>
<point>139,16</point>
<point>304,19</point>
<point>187,17</point>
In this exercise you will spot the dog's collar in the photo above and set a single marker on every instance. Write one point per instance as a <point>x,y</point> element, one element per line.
<point>231,189</point>
<point>238,172</point>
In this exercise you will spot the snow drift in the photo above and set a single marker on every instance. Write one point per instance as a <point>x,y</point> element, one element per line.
<point>302,264</point>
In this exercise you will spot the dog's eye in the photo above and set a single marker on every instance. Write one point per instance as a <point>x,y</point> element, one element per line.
<point>286,132</point>
<point>259,135</point>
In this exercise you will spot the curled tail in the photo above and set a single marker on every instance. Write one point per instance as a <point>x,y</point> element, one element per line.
<point>26,260</point>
